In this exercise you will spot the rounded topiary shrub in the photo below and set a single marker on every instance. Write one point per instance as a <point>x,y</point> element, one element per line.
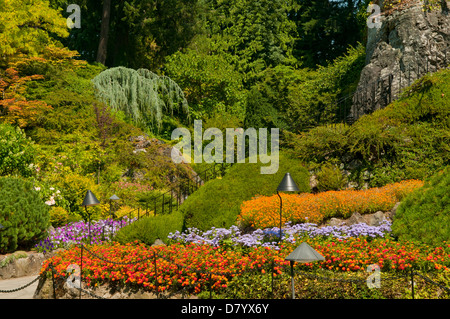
<point>23,215</point>
<point>218,202</point>
<point>148,229</point>
<point>424,215</point>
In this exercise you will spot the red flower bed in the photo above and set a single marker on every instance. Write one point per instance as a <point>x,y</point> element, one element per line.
<point>193,266</point>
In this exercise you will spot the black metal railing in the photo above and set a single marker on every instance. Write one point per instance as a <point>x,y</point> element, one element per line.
<point>170,200</point>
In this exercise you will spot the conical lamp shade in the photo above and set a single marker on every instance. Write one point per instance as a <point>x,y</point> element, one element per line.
<point>287,184</point>
<point>90,199</point>
<point>304,254</point>
<point>114,197</point>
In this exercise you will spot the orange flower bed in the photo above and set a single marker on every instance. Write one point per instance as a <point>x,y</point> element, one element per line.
<point>198,268</point>
<point>264,211</point>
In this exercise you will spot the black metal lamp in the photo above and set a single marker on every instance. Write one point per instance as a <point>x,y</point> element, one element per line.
<point>303,254</point>
<point>89,200</point>
<point>286,185</point>
<point>112,198</point>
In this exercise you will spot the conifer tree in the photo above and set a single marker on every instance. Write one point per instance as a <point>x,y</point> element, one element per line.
<point>23,214</point>
<point>142,95</point>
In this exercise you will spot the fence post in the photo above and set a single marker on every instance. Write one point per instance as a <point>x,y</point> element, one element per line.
<point>412,283</point>
<point>162,205</point>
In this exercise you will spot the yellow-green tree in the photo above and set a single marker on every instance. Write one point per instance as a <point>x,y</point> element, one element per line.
<point>27,26</point>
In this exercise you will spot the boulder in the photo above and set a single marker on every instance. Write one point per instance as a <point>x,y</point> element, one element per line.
<point>410,43</point>
<point>374,219</point>
<point>21,264</point>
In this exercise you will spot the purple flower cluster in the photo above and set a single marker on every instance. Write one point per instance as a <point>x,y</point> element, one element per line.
<point>78,232</point>
<point>269,236</point>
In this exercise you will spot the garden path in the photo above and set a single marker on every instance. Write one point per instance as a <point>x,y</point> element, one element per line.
<point>10,284</point>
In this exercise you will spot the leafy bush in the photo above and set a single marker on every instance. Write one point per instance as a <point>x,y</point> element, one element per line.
<point>73,188</point>
<point>217,203</point>
<point>59,216</point>
<point>262,212</point>
<point>425,214</point>
<point>16,151</point>
<point>330,178</point>
<point>148,229</point>
<point>23,214</point>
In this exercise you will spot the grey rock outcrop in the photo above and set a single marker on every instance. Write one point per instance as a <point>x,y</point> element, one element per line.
<point>21,264</point>
<point>410,43</point>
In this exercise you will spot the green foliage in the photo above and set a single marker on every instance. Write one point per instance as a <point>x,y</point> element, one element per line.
<point>322,284</point>
<point>16,152</point>
<point>409,139</point>
<point>210,82</point>
<point>313,101</point>
<point>31,29</point>
<point>330,178</point>
<point>217,203</point>
<point>142,95</point>
<point>9,259</point>
<point>59,217</point>
<point>148,229</point>
<point>425,214</point>
<point>23,214</point>
<point>258,35</point>
<point>326,29</point>
<point>73,189</point>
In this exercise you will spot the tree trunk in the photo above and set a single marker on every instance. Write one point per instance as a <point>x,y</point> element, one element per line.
<point>104,31</point>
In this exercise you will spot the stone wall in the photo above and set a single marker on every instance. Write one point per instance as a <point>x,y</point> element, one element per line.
<point>410,43</point>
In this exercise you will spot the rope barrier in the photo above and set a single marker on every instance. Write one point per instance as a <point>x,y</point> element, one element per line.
<point>432,282</point>
<point>22,287</point>
<point>207,274</point>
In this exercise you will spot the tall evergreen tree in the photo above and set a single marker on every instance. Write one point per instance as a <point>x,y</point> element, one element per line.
<point>326,28</point>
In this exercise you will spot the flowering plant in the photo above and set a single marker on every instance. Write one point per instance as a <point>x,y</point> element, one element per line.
<point>78,232</point>
<point>263,211</point>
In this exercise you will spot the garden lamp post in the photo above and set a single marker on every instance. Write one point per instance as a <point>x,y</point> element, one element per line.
<point>112,198</point>
<point>303,254</point>
<point>286,185</point>
<point>89,200</point>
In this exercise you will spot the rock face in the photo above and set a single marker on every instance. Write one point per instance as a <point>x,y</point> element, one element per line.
<point>374,219</point>
<point>410,43</point>
<point>21,264</point>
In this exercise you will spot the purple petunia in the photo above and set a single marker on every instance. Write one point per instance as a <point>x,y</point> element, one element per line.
<point>78,232</point>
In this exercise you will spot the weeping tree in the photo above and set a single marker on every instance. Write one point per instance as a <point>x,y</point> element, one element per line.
<point>142,95</point>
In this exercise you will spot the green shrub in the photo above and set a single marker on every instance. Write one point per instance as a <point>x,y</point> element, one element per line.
<point>424,215</point>
<point>59,217</point>
<point>23,215</point>
<point>16,151</point>
<point>148,229</point>
<point>217,203</point>
<point>330,178</point>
